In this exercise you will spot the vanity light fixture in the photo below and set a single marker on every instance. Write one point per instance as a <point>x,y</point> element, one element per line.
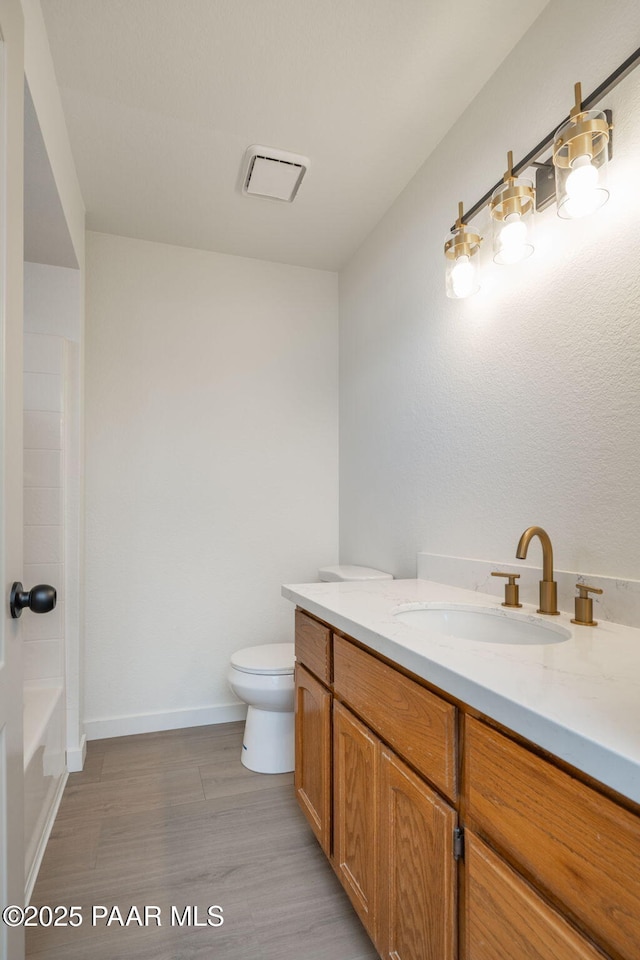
<point>580,155</point>
<point>461,250</point>
<point>577,151</point>
<point>511,208</point>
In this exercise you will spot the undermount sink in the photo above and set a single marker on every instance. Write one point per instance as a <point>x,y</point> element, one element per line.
<point>486,624</point>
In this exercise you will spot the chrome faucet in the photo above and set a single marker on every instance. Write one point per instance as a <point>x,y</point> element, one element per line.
<point>548,586</point>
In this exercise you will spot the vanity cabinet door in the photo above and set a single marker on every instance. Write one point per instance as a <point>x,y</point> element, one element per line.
<point>312,778</point>
<point>576,844</point>
<point>505,918</point>
<point>417,872</point>
<point>356,756</point>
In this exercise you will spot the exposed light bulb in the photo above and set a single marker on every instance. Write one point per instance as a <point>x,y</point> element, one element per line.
<point>511,209</point>
<point>460,249</point>
<point>583,195</point>
<point>580,156</point>
<point>463,277</point>
<point>512,240</point>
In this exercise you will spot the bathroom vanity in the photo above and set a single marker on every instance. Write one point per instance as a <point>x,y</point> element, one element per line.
<point>428,769</point>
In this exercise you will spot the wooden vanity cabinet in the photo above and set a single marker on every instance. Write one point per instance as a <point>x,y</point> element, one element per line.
<point>355,813</point>
<point>393,833</point>
<point>417,875</point>
<point>576,846</point>
<point>313,754</point>
<point>550,863</point>
<point>505,917</point>
<point>312,777</point>
<point>393,846</point>
<point>313,647</point>
<point>416,723</point>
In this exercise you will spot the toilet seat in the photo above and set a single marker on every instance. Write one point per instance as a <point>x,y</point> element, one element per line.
<point>272,659</point>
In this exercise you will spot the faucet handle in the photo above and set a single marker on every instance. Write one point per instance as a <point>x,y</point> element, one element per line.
<point>511,589</point>
<point>584,606</point>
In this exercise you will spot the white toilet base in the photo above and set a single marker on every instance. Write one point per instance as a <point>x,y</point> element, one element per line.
<point>268,745</point>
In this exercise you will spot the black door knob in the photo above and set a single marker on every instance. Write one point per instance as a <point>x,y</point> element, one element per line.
<point>40,599</point>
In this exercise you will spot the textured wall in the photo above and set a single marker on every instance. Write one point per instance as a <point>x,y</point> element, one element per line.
<point>464,422</point>
<point>211,469</point>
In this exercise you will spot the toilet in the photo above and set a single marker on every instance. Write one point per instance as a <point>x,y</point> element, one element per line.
<point>262,676</point>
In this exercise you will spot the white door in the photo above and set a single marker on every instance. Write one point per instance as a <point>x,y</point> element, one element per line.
<point>11,528</point>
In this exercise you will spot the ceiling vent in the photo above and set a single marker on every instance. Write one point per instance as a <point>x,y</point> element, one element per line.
<point>271,173</point>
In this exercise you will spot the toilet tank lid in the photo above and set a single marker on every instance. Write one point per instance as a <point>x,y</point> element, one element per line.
<point>346,571</point>
<point>269,658</point>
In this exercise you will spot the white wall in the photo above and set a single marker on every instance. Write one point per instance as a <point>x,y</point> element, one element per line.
<point>211,470</point>
<point>463,422</point>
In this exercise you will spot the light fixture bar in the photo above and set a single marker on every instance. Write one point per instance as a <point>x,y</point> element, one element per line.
<point>611,81</point>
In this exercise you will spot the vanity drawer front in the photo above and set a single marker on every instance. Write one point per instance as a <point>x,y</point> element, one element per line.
<point>415,722</point>
<point>577,844</point>
<point>313,646</point>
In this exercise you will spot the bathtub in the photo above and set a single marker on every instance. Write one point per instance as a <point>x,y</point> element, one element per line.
<point>45,771</point>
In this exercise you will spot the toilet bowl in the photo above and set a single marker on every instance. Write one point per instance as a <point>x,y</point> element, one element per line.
<point>263,677</point>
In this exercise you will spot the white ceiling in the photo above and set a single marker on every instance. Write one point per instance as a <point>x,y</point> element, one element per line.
<point>162,98</point>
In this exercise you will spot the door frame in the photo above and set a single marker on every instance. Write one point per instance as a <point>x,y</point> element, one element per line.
<point>11,452</point>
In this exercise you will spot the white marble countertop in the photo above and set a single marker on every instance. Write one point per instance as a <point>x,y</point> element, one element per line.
<point>579,699</point>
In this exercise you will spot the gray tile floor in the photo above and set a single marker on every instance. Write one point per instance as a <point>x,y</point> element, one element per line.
<point>174,820</point>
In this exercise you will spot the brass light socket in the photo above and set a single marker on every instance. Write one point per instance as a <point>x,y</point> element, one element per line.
<point>512,198</point>
<point>585,134</point>
<point>463,242</point>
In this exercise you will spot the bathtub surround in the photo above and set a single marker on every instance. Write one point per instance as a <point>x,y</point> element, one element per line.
<point>53,321</point>
<point>43,658</point>
<point>52,728</point>
<point>44,363</point>
<point>211,471</point>
<point>466,421</point>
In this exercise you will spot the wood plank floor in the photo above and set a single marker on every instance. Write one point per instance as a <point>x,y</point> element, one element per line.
<point>174,819</point>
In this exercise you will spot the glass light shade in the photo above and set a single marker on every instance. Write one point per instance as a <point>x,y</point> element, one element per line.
<point>512,220</point>
<point>461,248</point>
<point>462,277</point>
<point>580,158</point>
